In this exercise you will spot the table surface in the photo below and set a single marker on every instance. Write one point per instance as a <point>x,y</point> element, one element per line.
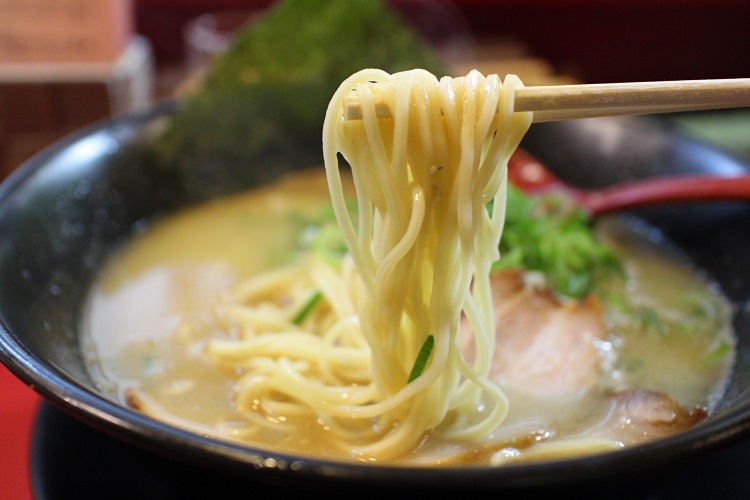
<point>18,405</point>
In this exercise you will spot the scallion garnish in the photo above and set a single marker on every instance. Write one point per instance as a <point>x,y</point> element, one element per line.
<point>421,362</point>
<point>550,234</point>
<point>719,353</point>
<point>307,308</point>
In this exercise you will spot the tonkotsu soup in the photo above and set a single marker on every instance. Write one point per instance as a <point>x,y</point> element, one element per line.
<point>157,306</point>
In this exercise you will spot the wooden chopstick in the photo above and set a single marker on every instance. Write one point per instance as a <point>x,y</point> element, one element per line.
<point>565,102</point>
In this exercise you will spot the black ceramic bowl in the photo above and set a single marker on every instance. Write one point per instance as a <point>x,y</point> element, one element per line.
<point>69,207</point>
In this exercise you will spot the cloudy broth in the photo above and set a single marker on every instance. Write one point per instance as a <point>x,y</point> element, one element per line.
<point>150,314</point>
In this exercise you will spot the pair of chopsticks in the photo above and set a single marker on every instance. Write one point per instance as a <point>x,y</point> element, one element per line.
<point>565,102</point>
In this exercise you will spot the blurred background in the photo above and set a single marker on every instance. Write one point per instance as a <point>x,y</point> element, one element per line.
<point>65,64</point>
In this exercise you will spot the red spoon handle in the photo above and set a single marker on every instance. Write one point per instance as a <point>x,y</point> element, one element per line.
<point>666,190</point>
<point>531,176</point>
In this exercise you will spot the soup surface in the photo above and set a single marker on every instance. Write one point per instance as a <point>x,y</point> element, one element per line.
<point>667,347</point>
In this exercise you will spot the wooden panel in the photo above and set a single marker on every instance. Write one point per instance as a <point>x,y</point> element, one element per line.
<point>42,31</point>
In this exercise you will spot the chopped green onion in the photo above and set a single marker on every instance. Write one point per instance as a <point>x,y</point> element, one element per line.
<point>631,364</point>
<point>330,246</point>
<point>651,320</point>
<point>718,354</point>
<point>307,308</point>
<point>321,235</point>
<point>421,362</point>
<point>550,234</point>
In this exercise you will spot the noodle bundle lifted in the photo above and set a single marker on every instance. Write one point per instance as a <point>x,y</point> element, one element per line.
<point>424,236</point>
<point>419,256</point>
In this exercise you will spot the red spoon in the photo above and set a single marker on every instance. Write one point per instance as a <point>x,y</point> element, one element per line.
<point>531,176</point>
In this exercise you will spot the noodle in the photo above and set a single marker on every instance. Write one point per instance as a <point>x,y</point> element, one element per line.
<point>419,255</point>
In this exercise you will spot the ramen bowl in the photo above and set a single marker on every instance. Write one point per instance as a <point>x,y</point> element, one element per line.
<point>65,212</point>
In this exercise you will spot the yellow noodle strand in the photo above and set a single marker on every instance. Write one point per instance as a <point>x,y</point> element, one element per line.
<point>419,254</point>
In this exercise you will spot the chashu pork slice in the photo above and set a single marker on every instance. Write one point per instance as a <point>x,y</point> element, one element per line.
<point>639,415</point>
<point>545,348</point>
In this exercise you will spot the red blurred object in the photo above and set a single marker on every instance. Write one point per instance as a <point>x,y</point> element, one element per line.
<point>18,405</point>
<point>531,176</point>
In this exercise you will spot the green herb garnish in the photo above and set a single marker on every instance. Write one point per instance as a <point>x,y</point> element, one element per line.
<point>307,308</point>
<point>551,235</point>
<point>718,354</point>
<point>322,236</point>
<point>421,362</point>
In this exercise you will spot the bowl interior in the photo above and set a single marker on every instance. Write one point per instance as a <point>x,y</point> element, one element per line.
<point>67,209</point>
